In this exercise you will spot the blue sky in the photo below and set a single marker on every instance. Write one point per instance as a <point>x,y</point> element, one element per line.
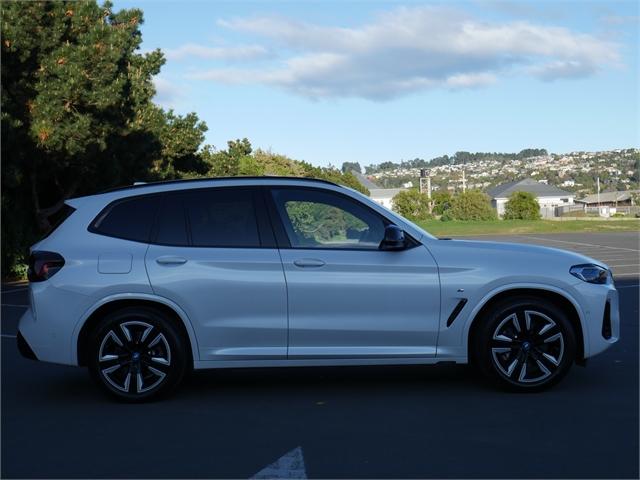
<point>375,81</point>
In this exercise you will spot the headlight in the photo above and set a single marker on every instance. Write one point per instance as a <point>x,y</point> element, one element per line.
<point>591,273</point>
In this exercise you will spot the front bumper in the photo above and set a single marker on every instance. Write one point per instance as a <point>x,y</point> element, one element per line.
<point>25,349</point>
<point>601,322</point>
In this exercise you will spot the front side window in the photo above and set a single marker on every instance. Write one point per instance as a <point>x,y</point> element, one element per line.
<point>317,219</point>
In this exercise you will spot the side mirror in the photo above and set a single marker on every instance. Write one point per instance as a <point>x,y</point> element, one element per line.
<point>393,238</point>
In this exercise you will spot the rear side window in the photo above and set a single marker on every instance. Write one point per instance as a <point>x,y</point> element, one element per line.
<point>172,224</point>
<point>222,218</point>
<point>130,219</point>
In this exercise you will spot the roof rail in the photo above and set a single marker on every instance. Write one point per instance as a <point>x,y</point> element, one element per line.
<point>137,185</point>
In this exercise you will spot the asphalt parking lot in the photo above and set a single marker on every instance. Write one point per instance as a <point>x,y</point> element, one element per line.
<point>437,421</point>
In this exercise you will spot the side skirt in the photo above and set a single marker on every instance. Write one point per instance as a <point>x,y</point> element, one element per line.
<point>332,362</point>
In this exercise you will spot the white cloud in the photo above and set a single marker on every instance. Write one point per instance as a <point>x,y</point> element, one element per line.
<point>241,52</point>
<point>412,49</point>
<point>167,93</point>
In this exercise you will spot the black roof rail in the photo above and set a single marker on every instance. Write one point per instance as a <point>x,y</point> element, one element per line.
<point>208,179</point>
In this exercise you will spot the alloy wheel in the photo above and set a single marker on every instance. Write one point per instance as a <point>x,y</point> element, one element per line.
<point>134,357</point>
<point>527,347</point>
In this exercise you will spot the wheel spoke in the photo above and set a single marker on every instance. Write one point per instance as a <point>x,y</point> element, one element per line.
<point>503,338</point>
<point>527,320</point>
<point>512,367</point>
<point>546,328</point>
<point>551,359</point>
<point>523,370</point>
<point>553,338</point>
<point>501,349</point>
<point>543,368</point>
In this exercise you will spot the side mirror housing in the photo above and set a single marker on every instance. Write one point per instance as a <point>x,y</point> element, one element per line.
<point>394,238</point>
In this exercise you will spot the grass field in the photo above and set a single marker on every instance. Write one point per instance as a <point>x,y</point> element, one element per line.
<point>513,227</point>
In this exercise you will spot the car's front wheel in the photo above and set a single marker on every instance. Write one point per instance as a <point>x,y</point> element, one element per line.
<point>136,354</point>
<point>525,343</point>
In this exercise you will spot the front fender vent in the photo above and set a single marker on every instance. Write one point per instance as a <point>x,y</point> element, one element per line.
<point>456,311</point>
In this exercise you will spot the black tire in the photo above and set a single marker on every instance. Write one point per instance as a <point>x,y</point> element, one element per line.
<point>542,344</point>
<point>136,354</point>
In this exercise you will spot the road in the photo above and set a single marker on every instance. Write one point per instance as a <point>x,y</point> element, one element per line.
<point>438,421</point>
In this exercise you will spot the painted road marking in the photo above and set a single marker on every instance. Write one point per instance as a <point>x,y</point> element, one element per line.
<point>14,305</point>
<point>583,244</point>
<point>5,335</point>
<point>4,292</point>
<point>290,465</point>
<point>627,286</point>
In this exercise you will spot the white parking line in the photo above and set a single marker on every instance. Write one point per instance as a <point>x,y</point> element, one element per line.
<point>4,292</point>
<point>14,305</point>
<point>627,286</point>
<point>584,244</point>
<point>5,335</point>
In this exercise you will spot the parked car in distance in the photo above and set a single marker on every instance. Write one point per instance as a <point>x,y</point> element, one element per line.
<point>143,283</point>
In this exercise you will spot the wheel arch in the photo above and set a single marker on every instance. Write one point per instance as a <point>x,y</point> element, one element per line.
<point>115,302</point>
<point>558,297</point>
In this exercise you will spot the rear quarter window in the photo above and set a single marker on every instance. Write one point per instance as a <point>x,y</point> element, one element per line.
<point>58,219</point>
<point>130,219</point>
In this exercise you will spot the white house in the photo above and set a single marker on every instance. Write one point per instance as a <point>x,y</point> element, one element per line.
<point>548,196</point>
<point>384,196</point>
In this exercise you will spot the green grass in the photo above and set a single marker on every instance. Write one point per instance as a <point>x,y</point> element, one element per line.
<point>513,227</point>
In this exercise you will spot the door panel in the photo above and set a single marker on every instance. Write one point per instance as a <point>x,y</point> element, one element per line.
<point>362,304</point>
<point>347,298</point>
<point>213,254</point>
<point>234,297</point>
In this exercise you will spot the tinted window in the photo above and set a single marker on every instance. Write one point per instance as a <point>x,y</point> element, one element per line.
<point>130,219</point>
<point>222,217</point>
<point>172,225</point>
<point>59,218</point>
<point>316,219</point>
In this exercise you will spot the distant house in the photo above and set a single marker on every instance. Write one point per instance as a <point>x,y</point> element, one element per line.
<point>382,196</point>
<point>609,199</point>
<point>548,196</point>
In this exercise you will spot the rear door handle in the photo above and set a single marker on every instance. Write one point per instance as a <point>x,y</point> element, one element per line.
<point>308,262</point>
<point>168,260</point>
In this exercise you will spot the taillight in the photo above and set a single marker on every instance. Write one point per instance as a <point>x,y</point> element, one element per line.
<point>44,265</point>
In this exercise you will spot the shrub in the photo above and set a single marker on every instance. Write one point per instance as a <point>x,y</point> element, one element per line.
<point>522,206</point>
<point>470,205</point>
<point>412,204</point>
<point>441,202</point>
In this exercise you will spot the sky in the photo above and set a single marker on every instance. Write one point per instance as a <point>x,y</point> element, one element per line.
<point>374,81</point>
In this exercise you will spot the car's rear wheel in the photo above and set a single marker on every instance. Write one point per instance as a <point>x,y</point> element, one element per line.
<point>136,354</point>
<point>525,343</point>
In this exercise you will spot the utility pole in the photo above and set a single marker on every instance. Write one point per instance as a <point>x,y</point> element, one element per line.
<point>464,181</point>
<point>598,186</point>
<point>426,175</point>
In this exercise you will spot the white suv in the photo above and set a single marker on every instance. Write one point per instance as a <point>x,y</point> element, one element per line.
<point>143,283</point>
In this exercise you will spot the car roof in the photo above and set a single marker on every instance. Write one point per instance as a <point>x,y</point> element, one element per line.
<point>268,179</point>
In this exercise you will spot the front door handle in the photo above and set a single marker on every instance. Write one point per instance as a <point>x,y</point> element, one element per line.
<point>168,260</point>
<point>308,262</point>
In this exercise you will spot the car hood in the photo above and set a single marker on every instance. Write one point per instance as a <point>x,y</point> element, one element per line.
<point>472,251</point>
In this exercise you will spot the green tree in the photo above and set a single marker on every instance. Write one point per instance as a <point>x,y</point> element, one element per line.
<point>351,167</point>
<point>470,205</point>
<point>522,206</point>
<point>412,204</point>
<point>77,113</point>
